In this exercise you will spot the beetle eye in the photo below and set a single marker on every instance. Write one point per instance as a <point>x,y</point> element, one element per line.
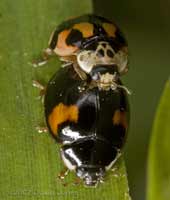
<point>103,69</point>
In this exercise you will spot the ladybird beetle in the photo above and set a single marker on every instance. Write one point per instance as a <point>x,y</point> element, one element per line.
<point>89,40</point>
<point>86,105</point>
<point>89,120</point>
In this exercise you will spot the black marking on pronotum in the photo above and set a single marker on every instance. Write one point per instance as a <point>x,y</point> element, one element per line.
<point>110,53</point>
<point>100,53</point>
<point>74,38</point>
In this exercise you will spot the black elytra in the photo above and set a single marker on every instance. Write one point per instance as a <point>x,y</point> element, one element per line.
<point>92,126</point>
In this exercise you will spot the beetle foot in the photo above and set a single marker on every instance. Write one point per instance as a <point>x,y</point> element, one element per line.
<point>41,87</point>
<point>63,174</point>
<point>41,129</point>
<point>77,181</point>
<point>47,53</point>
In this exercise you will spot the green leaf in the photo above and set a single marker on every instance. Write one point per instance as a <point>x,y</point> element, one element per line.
<point>30,161</point>
<point>158,187</point>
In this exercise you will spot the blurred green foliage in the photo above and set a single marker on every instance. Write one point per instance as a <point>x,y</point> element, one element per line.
<point>158,180</point>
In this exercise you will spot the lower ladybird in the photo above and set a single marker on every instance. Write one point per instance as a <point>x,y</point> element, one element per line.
<point>91,123</point>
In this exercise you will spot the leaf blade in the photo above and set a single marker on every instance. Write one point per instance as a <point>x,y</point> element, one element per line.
<point>158,187</point>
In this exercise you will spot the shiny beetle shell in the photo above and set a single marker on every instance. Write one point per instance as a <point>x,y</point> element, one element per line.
<point>91,124</point>
<point>92,37</point>
<point>75,33</point>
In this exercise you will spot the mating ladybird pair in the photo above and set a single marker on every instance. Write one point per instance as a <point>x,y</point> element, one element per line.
<point>86,105</point>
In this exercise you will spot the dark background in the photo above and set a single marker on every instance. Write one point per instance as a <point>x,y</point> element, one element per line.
<point>146,26</point>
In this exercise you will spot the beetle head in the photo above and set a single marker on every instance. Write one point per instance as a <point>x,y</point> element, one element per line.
<point>90,175</point>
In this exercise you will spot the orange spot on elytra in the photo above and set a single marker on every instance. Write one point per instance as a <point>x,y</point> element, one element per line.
<point>85,28</point>
<point>62,113</point>
<point>110,29</point>
<point>119,118</point>
<point>62,49</point>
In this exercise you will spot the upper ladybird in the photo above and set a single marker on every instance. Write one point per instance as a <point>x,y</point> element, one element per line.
<point>90,40</point>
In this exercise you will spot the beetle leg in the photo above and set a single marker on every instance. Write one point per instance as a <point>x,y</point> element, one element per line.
<point>72,60</point>
<point>67,60</point>
<point>111,166</point>
<point>119,154</point>
<point>63,174</point>
<point>42,129</point>
<point>46,55</point>
<point>41,87</point>
<point>38,85</point>
<point>65,64</point>
<point>81,74</point>
<point>77,181</point>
